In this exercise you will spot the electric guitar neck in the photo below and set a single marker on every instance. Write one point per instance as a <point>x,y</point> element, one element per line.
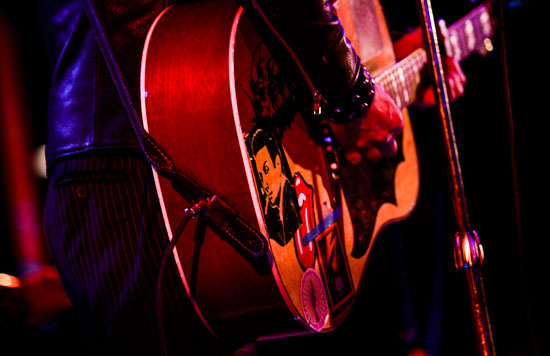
<point>468,35</point>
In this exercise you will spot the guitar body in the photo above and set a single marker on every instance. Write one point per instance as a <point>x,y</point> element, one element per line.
<point>214,98</point>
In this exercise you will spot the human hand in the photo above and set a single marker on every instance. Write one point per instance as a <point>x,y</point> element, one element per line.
<point>454,82</point>
<point>373,134</point>
<point>454,76</point>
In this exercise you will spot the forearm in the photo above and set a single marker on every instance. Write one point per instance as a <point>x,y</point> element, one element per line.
<point>317,38</point>
<point>365,122</point>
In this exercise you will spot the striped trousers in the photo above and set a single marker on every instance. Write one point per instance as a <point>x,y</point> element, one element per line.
<point>106,235</point>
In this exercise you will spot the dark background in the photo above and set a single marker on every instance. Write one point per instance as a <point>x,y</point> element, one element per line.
<point>412,284</point>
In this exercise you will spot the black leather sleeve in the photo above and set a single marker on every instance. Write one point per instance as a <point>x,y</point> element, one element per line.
<point>316,36</point>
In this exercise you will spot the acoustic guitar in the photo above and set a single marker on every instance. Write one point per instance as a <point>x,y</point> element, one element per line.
<point>232,119</point>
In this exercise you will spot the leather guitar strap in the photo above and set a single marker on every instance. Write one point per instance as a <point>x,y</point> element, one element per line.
<point>220,216</point>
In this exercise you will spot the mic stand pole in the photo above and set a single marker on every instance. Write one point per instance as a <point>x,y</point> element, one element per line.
<point>468,251</point>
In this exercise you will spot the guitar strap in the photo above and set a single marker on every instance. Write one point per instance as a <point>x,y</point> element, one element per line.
<point>220,216</point>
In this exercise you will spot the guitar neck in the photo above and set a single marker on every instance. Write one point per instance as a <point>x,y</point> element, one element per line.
<point>468,35</point>
<point>402,79</point>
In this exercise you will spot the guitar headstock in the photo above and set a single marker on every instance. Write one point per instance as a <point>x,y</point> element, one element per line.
<point>470,34</point>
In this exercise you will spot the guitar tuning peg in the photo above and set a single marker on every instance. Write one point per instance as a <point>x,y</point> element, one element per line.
<point>487,45</point>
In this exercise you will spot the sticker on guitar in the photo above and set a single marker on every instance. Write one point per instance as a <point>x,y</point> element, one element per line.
<point>290,193</point>
<point>275,185</point>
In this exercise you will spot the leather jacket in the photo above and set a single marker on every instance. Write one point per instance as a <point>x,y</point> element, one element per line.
<point>85,110</point>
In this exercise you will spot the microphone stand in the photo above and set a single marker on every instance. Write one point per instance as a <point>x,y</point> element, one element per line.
<point>468,252</point>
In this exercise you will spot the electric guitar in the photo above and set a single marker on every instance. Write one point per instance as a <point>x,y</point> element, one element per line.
<point>215,99</point>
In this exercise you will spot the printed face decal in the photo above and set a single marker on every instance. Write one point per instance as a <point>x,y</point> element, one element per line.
<point>275,185</point>
<point>270,173</point>
<point>272,96</point>
<point>268,92</point>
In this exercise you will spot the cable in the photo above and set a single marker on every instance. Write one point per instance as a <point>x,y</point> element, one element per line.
<point>188,215</point>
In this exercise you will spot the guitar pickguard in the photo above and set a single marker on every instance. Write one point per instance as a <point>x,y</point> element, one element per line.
<point>367,186</point>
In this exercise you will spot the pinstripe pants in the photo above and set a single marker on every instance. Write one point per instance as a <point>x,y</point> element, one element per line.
<point>106,236</point>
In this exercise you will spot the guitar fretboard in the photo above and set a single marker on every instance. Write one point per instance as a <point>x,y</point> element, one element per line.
<point>401,80</point>
<point>469,34</point>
